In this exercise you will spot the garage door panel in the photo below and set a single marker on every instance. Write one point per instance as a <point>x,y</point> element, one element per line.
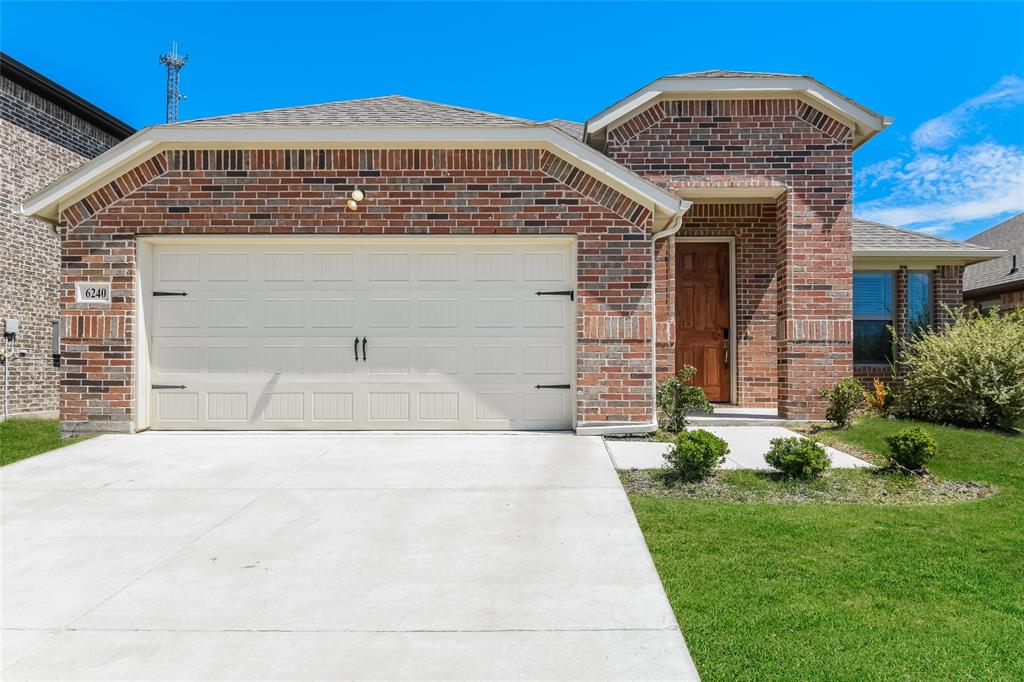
<point>456,336</point>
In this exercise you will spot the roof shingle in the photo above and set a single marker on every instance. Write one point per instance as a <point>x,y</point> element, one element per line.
<point>871,236</point>
<point>390,110</point>
<point>1008,236</point>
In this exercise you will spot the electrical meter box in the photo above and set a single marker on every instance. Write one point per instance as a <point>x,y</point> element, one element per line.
<point>10,326</point>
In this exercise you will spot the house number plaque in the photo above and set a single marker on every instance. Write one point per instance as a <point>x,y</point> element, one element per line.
<point>92,292</point>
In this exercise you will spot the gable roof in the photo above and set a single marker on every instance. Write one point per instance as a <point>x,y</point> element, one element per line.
<point>389,110</point>
<point>380,122</point>
<point>864,122</point>
<point>997,274</point>
<point>871,239</point>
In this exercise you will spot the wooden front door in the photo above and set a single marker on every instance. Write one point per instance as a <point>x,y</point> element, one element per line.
<point>702,315</point>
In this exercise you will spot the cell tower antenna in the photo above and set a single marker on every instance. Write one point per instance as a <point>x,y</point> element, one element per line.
<point>174,62</point>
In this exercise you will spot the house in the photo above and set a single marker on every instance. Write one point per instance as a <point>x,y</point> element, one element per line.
<point>45,131</point>
<point>998,283</point>
<point>391,263</point>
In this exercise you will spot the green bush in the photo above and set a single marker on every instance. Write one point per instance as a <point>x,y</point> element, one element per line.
<point>844,399</point>
<point>911,448</point>
<point>971,373</point>
<point>696,454</point>
<point>676,397</point>
<point>797,457</point>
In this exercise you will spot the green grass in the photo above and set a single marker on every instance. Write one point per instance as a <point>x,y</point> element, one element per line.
<point>23,438</point>
<point>854,592</point>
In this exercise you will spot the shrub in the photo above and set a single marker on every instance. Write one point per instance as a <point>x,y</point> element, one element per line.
<point>676,397</point>
<point>971,373</point>
<point>844,399</point>
<point>696,454</point>
<point>797,457</point>
<point>911,448</point>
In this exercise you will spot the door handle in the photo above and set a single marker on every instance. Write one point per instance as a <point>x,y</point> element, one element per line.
<point>364,349</point>
<point>355,347</point>
<point>725,344</point>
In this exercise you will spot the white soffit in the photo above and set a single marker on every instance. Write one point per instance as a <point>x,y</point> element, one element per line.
<point>881,258</point>
<point>865,122</point>
<point>50,201</point>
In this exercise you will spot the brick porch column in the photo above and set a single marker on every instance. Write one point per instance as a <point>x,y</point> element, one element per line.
<point>815,289</point>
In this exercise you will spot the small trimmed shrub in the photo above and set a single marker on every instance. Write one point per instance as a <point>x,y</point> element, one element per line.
<point>676,397</point>
<point>911,448</point>
<point>797,457</point>
<point>971,373</point>
<point>696,454</point>
<point>844,399</point>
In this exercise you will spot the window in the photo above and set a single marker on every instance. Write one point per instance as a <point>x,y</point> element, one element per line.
<point>919,301</point>
<point>872,316</point>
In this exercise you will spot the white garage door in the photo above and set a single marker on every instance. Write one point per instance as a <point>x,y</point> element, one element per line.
<point>357,333</point>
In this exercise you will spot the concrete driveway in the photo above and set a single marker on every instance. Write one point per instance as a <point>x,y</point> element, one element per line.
<point>329,556</point>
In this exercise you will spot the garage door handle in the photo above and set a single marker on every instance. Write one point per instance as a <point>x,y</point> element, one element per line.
<point>157,387</point>
<point>364,349</point>
<point>571,294</point>
<point>355,347</point>
<point>553,386</point>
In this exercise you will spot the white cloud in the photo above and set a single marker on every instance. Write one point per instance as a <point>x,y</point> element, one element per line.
<point>939,132</point>
<point>935,191</point>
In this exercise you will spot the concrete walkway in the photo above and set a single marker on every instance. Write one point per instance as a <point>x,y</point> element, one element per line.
<point>322,556</point>
<point>747,447</point>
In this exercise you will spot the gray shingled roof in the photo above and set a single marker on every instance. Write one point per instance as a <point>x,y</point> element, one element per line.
<point>396,110</point>
<point>720,73</point>
<point>1008,236</point>
<point>871,236</point>
<point>570,128</point>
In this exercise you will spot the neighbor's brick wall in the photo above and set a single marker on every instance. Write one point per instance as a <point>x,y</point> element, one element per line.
<point>752,344</point>
<point>780,143</point>
<point>480,192</point>
<point>40,142</point>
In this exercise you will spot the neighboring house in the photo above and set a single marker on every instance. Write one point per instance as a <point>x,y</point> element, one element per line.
<point>902,281</point>
<point>998,283</point>
<point>498,273</point>
<point>45,131</point>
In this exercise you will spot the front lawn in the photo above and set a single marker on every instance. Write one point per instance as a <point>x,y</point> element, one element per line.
<point>854,591</point>
<point>23,438</point>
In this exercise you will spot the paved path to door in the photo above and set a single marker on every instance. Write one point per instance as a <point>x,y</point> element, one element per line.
<point>308,556</point>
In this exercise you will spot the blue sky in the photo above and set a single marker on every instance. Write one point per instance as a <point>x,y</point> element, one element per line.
<point>951,74</point>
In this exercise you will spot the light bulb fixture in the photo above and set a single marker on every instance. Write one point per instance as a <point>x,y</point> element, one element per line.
<point>357,194</point>
<point>352,204</point>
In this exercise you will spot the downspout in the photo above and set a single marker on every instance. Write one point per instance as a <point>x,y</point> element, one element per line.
<point>673,227</point>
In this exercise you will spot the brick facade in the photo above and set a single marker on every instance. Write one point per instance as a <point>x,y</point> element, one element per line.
<point>770,143</point>
<point>41,142</point>
<point>442,192</point>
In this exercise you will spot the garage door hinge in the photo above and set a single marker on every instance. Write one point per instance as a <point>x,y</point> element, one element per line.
<point>553,386</point>
<point>169,293</point>
<point>157,387</point>
<point>571,294</point>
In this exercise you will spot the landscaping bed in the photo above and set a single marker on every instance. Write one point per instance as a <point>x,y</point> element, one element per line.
<point>861,575</point>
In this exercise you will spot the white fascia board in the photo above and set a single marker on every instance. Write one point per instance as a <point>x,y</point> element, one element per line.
<point>864,258</point>
<point>827,98</point>
<point>48,202</point>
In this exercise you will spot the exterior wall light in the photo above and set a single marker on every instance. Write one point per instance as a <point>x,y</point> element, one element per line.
<point>357,194</point>
<point>352,204</point>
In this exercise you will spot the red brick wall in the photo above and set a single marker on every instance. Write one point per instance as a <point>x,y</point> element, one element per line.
<point>771,143</point>
<point>41,142</point>
<point>409,192</point>
<point>753,227</point>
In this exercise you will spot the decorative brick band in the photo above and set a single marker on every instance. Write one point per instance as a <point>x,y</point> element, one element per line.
<point>114,191</point>
<point>366,162</point>
<point>97,326</point>
<point>818,331</point>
